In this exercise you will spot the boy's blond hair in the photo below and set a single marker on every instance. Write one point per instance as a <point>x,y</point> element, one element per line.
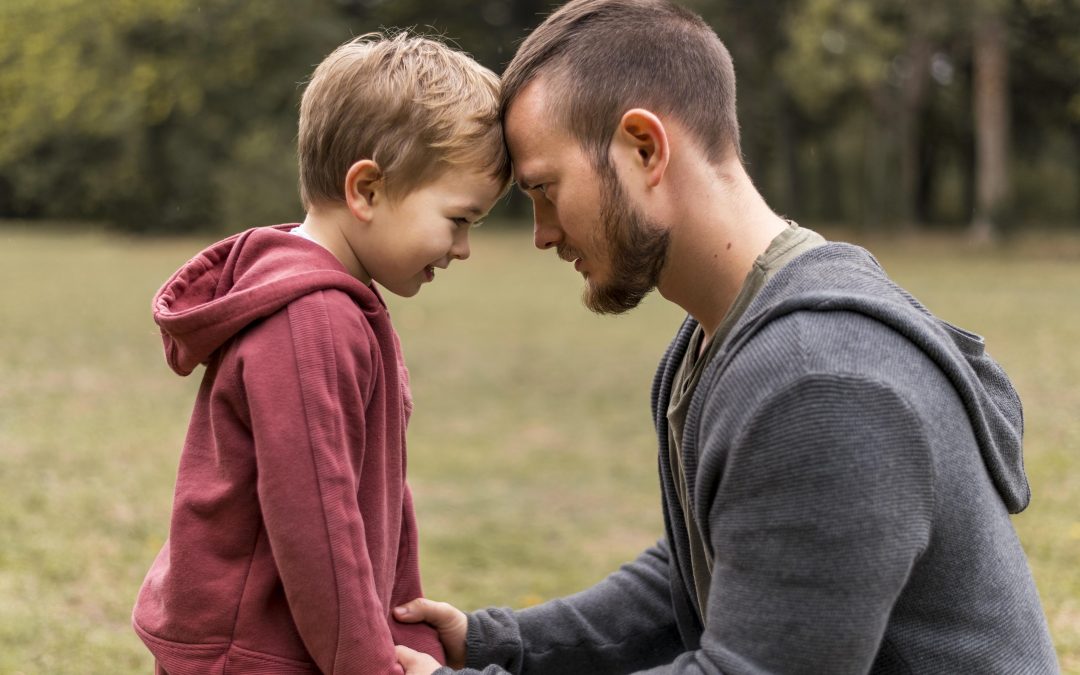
<point>411,104</point>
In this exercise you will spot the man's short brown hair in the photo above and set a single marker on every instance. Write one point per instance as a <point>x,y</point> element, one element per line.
<point>604,57</point>
<point>411,104</point>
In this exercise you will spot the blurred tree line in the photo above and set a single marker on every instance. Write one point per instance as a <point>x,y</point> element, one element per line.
<point>167,115</point>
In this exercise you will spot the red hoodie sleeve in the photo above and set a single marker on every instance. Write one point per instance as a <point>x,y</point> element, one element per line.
<point>305,396</point>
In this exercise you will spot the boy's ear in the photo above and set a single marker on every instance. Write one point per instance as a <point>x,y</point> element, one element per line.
<point>641,141</point>
<point>363,181</point>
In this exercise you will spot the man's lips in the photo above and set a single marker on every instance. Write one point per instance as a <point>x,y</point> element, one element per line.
<point>570,256</point>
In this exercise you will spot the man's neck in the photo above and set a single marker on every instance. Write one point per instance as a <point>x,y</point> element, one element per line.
<point>721,231</point>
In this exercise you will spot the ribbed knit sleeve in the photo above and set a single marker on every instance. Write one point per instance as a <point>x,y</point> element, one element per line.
<point>822,507</point>
<point>623,623</point>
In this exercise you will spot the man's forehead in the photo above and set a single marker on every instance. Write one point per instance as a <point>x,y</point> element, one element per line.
<point>530,164</point>
<point>533,97</point>
<point>533,133</point>
<point>527,114</point>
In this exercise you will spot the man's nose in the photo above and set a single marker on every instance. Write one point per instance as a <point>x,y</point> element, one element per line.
<point>546,230</point>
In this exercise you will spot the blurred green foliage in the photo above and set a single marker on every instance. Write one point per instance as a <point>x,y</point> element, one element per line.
<point>168,115</point>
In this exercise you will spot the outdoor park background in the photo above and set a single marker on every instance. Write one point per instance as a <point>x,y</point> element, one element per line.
<point>945,138</point>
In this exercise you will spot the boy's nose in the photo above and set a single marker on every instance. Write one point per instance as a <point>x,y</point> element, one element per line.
<point>460,249</point>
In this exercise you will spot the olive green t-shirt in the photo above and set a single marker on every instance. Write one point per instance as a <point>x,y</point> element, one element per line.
<point>783,249</point>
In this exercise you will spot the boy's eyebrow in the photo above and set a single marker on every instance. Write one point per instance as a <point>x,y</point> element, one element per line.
<point>470,209</point>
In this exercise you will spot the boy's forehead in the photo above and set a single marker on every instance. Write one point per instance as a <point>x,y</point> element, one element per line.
<point>473,190</point>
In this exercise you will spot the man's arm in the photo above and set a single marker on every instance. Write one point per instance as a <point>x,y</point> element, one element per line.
<point>817,513</point>
<point>621,624</point>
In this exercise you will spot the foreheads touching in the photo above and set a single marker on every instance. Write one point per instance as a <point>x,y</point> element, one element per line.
<point>600,58</point>
<point>410,104</point>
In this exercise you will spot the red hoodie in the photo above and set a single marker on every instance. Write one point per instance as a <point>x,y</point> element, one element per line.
<point>292,533</point>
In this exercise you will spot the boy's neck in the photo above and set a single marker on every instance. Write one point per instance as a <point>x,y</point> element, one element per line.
<point>326,225</point>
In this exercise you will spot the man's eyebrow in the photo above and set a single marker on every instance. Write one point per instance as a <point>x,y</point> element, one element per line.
<point>524,184</point>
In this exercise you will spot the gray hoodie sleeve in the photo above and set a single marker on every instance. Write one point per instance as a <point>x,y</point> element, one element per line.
<point>623,623</point>
<point>816,515</point>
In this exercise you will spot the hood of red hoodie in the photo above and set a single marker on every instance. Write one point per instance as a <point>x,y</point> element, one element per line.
<point>242,279</point>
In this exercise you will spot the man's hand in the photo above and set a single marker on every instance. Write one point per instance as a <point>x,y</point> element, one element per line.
<point>414,662</point>
<point>449,621</point>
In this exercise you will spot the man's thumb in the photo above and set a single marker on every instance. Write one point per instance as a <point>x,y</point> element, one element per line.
<point>413,611</point>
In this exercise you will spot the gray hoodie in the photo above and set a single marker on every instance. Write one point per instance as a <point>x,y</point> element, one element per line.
<point>852,461</point>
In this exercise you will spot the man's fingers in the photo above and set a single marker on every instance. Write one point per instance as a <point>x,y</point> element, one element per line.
<point>422,609</point>
<point>413,611</point>
<point>414,662</point>
<point>406,656</point>
<point>451,623</point>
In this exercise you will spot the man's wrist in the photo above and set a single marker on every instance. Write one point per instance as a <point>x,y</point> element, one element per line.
<point>493,637</point>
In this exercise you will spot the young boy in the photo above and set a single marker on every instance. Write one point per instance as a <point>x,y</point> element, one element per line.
<point>293,533</point>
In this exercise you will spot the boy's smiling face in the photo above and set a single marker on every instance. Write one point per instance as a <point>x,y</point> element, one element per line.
<point>404,241</point>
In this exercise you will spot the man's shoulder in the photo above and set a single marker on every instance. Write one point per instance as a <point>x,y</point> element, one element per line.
<point>831,309</point>
<point>808,344</point>
<point>815,338</point>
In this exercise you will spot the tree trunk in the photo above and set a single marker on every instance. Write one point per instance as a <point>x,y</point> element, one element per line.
<point>913,93</point>
<point>990,94</point>
<point>792,198</point>
<point>1076,145</point>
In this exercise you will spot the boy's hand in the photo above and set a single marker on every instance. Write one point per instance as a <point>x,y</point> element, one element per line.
<point>414,662</point>
<point>449,621</point>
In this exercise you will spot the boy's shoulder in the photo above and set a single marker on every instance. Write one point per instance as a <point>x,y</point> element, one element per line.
<point>249,281</point>
<point>324,321</point>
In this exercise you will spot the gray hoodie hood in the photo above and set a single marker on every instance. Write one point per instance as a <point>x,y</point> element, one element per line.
<point>842,277</point>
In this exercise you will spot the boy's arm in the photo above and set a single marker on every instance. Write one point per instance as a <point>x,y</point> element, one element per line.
<point>293,379</point>
<point>420,637</point>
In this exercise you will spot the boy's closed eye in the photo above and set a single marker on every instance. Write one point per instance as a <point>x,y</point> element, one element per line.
<point>465,222</point>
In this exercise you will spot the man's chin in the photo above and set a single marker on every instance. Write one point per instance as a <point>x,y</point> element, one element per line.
<point>611,300</point>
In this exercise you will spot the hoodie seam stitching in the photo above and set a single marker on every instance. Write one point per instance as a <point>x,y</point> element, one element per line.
<point>319,480</point>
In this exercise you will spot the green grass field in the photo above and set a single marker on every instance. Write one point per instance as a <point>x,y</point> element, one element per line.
<point>531,449</point>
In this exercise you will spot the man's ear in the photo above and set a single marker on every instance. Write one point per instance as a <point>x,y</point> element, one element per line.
<point>642,142</point>
<point>363,185</point>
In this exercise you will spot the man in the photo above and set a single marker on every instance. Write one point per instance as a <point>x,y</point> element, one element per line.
<point>837,465</point>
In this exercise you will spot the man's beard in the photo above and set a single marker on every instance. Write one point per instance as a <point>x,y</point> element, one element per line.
<point>636,249</point>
